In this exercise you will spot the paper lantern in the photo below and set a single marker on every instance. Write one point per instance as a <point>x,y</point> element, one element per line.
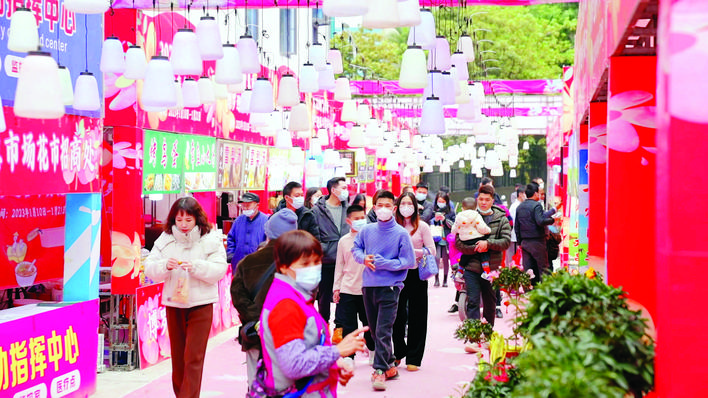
<point>86,97</point>
<point>445,168</point>
<point>288,94</point>
<point>299,118</point>
<point>526,146</point>
<point>432,120</point>
<point>67,88</point>
<point>363,114</point>
<point>87,6</point>
<point>334,57</point>
<point>284,140</point>
<point>356,137</point>
<point>462,95</point>
<point>439,57</point>
<point>512,173</point>
<point>408,13</point>
<point>38,92</point>
<point>190,93</point>
<point>435,84</point>
<point>344,8</point>
<point>206,91</point>
<point>209,39</point>
<point>248,54</point>
<point>23,35</point>
<point>466,46</point>
<point>158,88</point>
<point>349,111</point>
<point>112,56</point>
<point>262,96</point>
<point>220,91</point>
<point>228,67</point>
<point>423,34</point>
<point>413,72</point>
<point>342,91</point>
<point>428,166</point>
<point>185,57</point>
<point>309,79</point>
<point>318,56</point>
<point>447,94</point>
<point>459,61</point>
<point>135,63</point>
<point>382,14</point>
<point>325,78</point>
<point>180,98</point>
<point>244,102</point>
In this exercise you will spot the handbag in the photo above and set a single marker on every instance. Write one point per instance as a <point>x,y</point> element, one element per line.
<point>437,232</point>
<point>427,265</point>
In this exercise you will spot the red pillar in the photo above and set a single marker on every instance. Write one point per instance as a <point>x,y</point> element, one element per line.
<point>631,171</point>
<point>597,155</point>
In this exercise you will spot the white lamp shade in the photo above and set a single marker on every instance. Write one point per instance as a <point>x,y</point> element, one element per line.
<point>408,13</point>
<point>356,137</point>
<point>344,8</point>
<point>190,93</point>
<point>453,73</point>
<point>342,91</point>
<point>439,57</point>
<point>428,166</point>
<point>334,57</point>
<point>244,102</point>
<point>235,88</point>
<point>112,56</point>
<point>526,146</point>
<point>24,34</point>
<point>497,172</point>
<point>459,61</point>
<point>248,51</point>
<point>466,46</point>
<point>309,79</point>
<point>180,98</point>
<point>159,88</point>
<point>463,96</point>
<point>209,39</point>
<point>512,173</point>
<point>86,96</point>
<point>461,164</point>
<point>206,91</point>
<point>284,139</point>
<point>363,114</point>
<point>262,96</point>
<point>38,93</point>
<point>326,78</point>
<point>220,91</point>
<point>299,118</point>
<point>447,95</point>
<point>185,56</point>
<point>435,84</point>
<point>288,93</point>
<point>67,88</point>
<point>387,115</point>
<point>349,111</point>
<point>482,152</point>
<point>87,6</point>
<point>513,161</point>
<point>413,72</point>
<point>318,56</point>
<point>423,34</point>
<point>478,96</point>
<point>382,14</point>
<point>135,63</point>
<point>228,67</point>
<point>432,119</point>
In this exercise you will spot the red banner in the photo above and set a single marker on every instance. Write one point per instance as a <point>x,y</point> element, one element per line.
<point>154,340</point>
<point>31,239</point>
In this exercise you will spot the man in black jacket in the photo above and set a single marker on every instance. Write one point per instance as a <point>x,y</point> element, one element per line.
<point>530,228</point>
<point>294,199</point>
<point>425,207</point>
<point>331,216</point>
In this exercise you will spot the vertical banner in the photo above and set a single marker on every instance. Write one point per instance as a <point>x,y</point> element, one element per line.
<point>199,162</point>
<point>31,239</point>
<point>254,176</point>
<point>583,196</point>
<point>154,339</point>
<point>597,178</point>
<point>163,162</point>
<point>82,248</point>
<point>230,164</point>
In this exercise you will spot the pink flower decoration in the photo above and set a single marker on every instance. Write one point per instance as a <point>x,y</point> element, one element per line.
<point>531,274</point>
<point>148,329</point>
<point>493,275</point>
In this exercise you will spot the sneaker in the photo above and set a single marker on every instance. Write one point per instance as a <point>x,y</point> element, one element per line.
<point>499,313</point>
<point>453,309</point>
<point>378,380</point>
<point>397,363</point>
<point>392,373</point>
<point>437,283</point>
<point>444,284</point>
<point>412,368</point>
<point>372,355</point>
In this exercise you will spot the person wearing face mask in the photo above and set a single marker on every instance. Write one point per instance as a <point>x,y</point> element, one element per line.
<point>444,219</point>
<point>312,196</point>
<point>298,355</point>
<point>413,301</point>
<point>425,207</point>
<point>248,230</point>
<point>294,199</point>
<point>189,258</point>
<point>386,249</point>
<point>347,281</point>
<point>331,215</point>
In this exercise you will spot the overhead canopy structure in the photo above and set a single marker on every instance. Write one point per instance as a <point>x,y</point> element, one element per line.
<point>538,87</point>
<point>147,4</point>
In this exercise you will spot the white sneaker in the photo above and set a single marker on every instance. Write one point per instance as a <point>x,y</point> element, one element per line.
<point>371,357</point>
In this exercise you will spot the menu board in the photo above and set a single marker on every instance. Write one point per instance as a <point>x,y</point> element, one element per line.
<point>162,164</point>
<point>230,164</point>
<point>199,163</point>
<point>254,175</point>
<point>348,163</point>
<point>284,165</point>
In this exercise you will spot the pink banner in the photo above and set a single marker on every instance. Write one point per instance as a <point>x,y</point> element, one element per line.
<point>55,354</point>
<point>148,4</point>
<point>378,87</point>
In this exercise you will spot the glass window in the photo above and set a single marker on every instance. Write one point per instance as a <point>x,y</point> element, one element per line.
<point>288,32</point>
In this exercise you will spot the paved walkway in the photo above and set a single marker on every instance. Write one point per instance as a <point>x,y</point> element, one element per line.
<point>446,368</point>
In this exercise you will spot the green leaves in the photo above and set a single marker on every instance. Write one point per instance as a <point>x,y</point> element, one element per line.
<point>473,331</point>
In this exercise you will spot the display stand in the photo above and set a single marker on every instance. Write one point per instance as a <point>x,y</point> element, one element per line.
<point>122,333</point>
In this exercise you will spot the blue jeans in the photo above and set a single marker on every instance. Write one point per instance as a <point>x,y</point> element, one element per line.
<point>381,305</point>
<point>475,286</point>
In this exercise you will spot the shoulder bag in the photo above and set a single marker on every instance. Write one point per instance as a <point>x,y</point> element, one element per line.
<point>427,265</point>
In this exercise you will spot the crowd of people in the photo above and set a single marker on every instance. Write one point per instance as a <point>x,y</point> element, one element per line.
<point>326,248</point>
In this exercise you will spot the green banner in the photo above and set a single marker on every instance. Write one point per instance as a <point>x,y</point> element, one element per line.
<point>199,163</point>
<point>162,162</point>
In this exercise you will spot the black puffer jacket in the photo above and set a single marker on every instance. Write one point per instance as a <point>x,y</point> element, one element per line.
<point>305,219</point>
<point>498,241</point>
<point>530,222</point>
<point>329,234</point>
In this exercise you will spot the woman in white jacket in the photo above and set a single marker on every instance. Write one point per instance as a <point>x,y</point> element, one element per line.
<point>190,258</point>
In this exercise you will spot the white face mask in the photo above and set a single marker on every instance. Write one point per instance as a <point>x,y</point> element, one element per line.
<point>406,211</point>
<point>343,194</point>
<point>248,213</point>
<point>384,213</point>
<point>309,278</point>
<point>357,225</point>
<point>441,205</point>
<point>298,202</point>
<point>420,197</point>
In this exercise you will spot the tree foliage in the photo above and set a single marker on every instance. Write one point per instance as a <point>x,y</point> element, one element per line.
<point>371,54</point>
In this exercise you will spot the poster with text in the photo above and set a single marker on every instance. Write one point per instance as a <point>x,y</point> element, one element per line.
<point>199,163</point>
<point>230,164</point>
<point>162,162</point>
<point>154,340</point>
<point>31,239</point>
<point>256,166</point>
<point>278,166</point>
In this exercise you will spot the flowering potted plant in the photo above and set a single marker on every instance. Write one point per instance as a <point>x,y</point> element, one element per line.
<point>474,331</point>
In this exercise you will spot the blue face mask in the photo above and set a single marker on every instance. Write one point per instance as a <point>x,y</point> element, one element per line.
<point>309,278</point>
<point>357,225</point>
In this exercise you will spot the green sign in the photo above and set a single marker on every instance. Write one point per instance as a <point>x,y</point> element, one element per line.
<point>199,163</point>
<point>162,162</point>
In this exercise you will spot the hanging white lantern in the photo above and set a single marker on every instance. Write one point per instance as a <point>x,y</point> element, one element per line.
<point>180,98</point>
<point>382,14</point>
<point>432,119</point>
<point>235,88</point>
<point>456,87</point>
<point>190,93</point>
<point>248,54</point>
<point>209,39</point>
<point>447,94</point>
<point>206,91</point>
<point>318,56</point>
<point>466,46</point>
<point>262,96</point>
<point>299,118</point>
<point>243,105</point>
<point>342,91</point>
<point>344,8</point>
<point>159,88</point>
<point>513,161</point>
<point>315,147</point>
<point>439,57</point>
<point>387,115</point>
<point>185,57</point>
<point>512,173</point>
<point>87,6</point>
<point>481,152</point>
<point>461,164</point>
<point>67,88</point>
<point>334,57</point>
<point>220,91</point>
<point>288,94</point>
<point>478,96</point>
<point>428,166</point>
<point>435,84</point>
<point>413,72</point>
<point>309,79</point>
<point>445,167</point>
<point>135,63</point>
<point>325,78</point>
<point>23,35</point>
<point>423,34</point>
<point>459,61</point>
<point>38,92</point>
<point>112,56</point>
<point>356,137</point>
<point>463,95</point>
<point>284,140</point>
<point>349,111</point>
<point>408,13</point>
<point>228,67</point>
<point>363,114</point>
<point>86,97</point>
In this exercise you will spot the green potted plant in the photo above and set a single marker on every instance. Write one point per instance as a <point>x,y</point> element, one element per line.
<point>474,331</point>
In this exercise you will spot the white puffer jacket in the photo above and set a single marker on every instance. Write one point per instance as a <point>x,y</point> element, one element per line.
<point>207,255</point>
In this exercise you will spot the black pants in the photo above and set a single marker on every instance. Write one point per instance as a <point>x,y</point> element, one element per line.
<point>444,257</point>
<point>475,286</point>
<point>412,311</point>
<point>381,304</point>
<point>324,295</point>
<point>350,307</point>
<point>535,257</point>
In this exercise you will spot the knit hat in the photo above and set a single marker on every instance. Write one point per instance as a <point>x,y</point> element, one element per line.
<point>281,222</point>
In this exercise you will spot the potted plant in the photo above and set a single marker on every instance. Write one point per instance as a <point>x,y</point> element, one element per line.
<point>474,331</point>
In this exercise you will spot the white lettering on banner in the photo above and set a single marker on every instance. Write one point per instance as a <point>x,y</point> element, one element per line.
<point>42,153</point>
<point>3,213</point>
<point>88,155</point>
<point>163,161</point>
<point>28,151</point>
<point>66,384</point>
<point>54,145</point>
<point>38,391</point>
<point>190,150</point>
<point>12,65</point>
<point>12,152</point>
<point>75,154</point>
<point>196,116</point>
<point>64,153</point>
